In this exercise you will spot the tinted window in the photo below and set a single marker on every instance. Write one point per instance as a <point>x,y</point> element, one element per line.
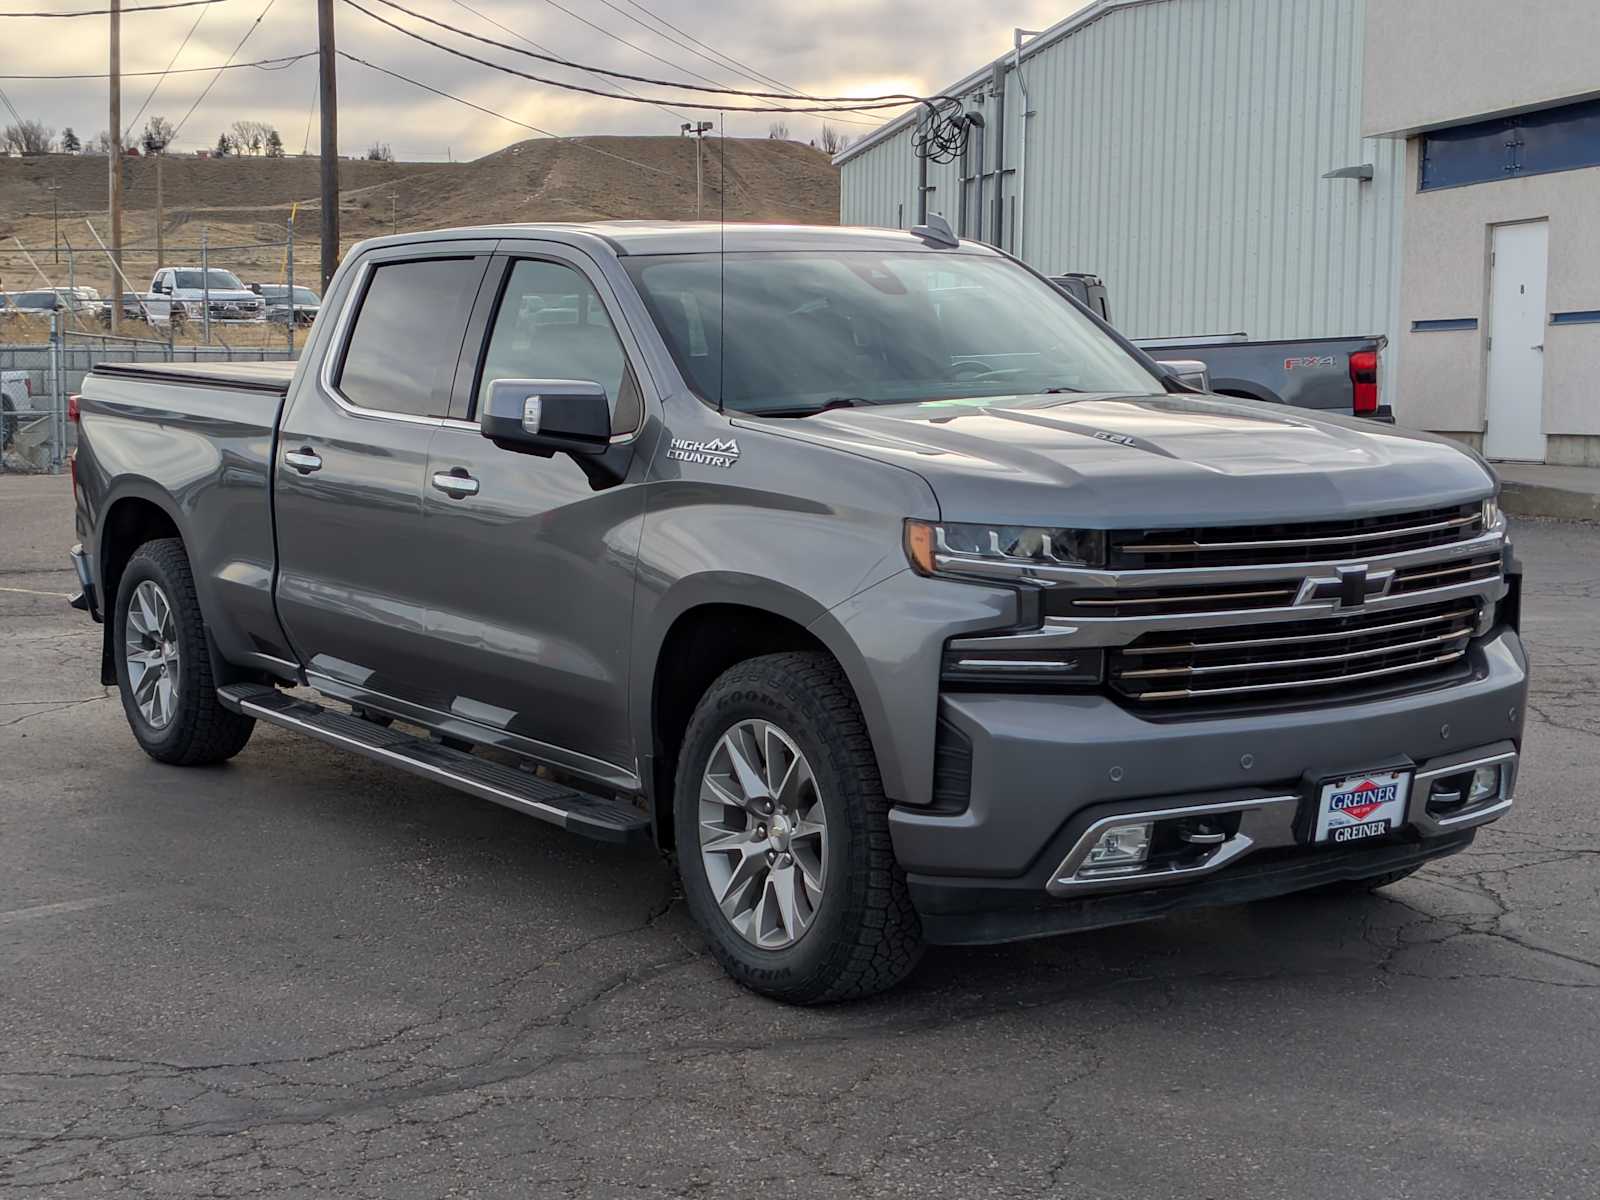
<point>552,324</point>
<point>795,332</point>
<point>402,351</point>
<point>1534,143</point>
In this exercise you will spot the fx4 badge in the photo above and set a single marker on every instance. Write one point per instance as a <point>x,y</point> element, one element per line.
<point>1321,360</point>
<point>719,452</point>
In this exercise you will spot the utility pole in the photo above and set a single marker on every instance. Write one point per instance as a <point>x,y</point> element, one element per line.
<point>55,217</point>
<point>699,129</point>
<point>115,191</point>
<point>329,91</point>
<point>161,245</point>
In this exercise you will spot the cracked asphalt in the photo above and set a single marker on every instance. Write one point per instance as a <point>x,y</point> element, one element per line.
<point>302,975</point>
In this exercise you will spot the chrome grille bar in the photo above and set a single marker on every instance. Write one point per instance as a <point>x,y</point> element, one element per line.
<point>1330,681</point>
<point>1276,543</point>
<point>1193,647</point>
<point>1291,663</point>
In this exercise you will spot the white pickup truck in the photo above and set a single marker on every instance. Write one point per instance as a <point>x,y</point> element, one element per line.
<point>15,396</point>
<point>189,290</point>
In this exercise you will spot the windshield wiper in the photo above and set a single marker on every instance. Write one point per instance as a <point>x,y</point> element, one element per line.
<point>1056,391</point>
<point>812,410</point>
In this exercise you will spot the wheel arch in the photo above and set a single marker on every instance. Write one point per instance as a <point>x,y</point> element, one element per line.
<point>711,629</point>
<point>138,515</point>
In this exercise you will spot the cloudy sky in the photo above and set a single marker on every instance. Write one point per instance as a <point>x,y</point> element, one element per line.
<point>825,47</point>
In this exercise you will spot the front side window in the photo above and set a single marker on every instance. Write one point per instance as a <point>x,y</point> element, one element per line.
<point>792,332</point>
<point>407,336</point>
<point>552,324</point>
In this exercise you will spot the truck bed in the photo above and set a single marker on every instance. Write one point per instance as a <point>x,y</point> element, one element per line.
<point>250,376</point>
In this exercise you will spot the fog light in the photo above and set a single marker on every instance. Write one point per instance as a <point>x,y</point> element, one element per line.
<point>1121,847</point>
<point>1485,785</point>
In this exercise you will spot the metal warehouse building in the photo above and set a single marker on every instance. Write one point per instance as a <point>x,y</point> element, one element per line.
<point>1176,148</point>
<point>1208,159</point>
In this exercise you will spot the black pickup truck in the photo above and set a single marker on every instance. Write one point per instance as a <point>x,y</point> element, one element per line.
<point>1330,375</point>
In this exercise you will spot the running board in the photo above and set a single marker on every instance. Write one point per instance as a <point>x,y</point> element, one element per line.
<point>593,816</point>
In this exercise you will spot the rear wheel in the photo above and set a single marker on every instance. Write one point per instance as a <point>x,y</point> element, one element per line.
<point>783,836</point>
<point>164,665</point>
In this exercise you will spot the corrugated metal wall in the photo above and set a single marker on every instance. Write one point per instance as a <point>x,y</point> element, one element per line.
<point>1177,150</point>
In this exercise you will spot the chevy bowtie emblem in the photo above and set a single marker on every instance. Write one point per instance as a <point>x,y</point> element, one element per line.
<point>1351,587</point>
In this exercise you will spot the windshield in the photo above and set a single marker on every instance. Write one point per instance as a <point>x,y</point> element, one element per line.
<point>220,280</point>
<point>809,329</point>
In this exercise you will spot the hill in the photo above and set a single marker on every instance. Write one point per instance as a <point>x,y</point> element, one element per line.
<point>240,201</point>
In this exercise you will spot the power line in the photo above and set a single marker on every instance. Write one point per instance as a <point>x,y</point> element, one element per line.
<point>829,103</point>
<point>510,120</point>
<point>264,64</point>
<point>156,87</point>
<point>206,91</point>
<point>104,12</point>
<point>540,46</point>
<point>728,61</point>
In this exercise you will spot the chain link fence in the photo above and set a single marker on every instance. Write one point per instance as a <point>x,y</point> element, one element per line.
<point>36,378</point>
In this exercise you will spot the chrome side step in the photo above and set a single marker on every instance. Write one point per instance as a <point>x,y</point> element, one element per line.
<point>599,817</point>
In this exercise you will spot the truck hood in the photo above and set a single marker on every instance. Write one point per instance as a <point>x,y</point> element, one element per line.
<point>1121,461</point>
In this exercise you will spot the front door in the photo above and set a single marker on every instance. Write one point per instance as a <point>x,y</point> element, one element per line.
<point>1520,260</point>
<point>530,564</point>
<point>352,457</point>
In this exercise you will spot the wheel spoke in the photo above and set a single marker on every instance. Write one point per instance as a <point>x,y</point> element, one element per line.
<point>750,781</point>
<point>718,793</point>
<point>783,887</point>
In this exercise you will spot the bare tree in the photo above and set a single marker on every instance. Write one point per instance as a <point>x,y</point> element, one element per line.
<point>28,137</point>
<point>250,136</point>
<point>832,141</point>
<point>778,131</point>
<point>274,144</point>
<point>70,143</point>
<point>380,152</point>
<point>158,134</point>
<point>99,145</point>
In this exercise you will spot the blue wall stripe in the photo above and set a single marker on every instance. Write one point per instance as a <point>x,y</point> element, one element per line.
<point>1444,325</point>
<point>1590,317</point>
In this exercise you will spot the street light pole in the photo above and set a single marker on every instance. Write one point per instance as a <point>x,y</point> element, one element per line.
<point>699,129</point>
<point>115,184</point>
<point>329,91</point>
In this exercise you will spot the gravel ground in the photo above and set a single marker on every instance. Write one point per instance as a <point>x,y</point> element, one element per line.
<point>302,975</point>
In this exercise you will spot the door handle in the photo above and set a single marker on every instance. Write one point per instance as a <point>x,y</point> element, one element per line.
<point>456,486</point>
<point>304,460</point>
<point>1540,346</point>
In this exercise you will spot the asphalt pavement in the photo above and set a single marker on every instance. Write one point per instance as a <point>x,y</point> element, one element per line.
<point>303,975</point>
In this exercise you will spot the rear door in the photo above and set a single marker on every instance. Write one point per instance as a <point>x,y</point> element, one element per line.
<point>531,564</point>
<point>352,456</point>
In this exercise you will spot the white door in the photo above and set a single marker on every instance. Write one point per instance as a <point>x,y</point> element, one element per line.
<point>1516,342</point>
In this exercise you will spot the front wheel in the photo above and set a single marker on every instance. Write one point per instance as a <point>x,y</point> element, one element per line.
<point>164,664</point>
<point>783,836</point>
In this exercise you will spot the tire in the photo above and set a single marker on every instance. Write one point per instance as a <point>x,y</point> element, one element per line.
<point>1360,887</point>
<point>183,724</point>
<point>859,934</point>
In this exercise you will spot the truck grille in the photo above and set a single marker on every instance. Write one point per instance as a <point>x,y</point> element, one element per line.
<point>1317,657</point>
<point>1306,541</point>
<point>1192,598</point>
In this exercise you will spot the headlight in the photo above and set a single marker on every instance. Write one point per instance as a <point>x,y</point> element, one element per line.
<point>999,551</point>
<point>1491,513</point>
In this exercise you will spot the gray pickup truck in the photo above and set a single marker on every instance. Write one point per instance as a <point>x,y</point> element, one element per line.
<point>895,597</point>
<point>1338,375</point>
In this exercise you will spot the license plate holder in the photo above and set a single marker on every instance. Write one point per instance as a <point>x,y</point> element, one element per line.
<point>1358,806</point>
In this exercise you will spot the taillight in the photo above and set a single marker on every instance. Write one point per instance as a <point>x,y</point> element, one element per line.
<point>1364,375</point>
<point>27,385</point>
<point>72,408</point>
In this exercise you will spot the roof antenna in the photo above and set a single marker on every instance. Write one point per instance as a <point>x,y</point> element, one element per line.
<point>722,257</point>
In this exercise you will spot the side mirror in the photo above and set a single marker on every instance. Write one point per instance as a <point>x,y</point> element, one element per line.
<point>1190,372</point>
<point>159,286</point>
<point>546,416</point>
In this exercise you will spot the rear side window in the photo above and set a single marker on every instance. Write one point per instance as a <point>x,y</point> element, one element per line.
<point>402,352</point>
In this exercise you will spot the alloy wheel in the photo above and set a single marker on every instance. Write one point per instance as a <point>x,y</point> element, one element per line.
<point>150,649</point>
<point>763,834</point>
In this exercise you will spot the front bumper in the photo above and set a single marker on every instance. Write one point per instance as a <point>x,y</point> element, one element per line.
<point>1046,768</point>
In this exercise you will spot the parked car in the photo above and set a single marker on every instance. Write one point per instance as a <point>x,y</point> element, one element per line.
<point>896,618</point>
<point>16,395</point>
<point>1333,375</point>
<point>41,302</point>
<point>188,290</point>
<point>305,307</point>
